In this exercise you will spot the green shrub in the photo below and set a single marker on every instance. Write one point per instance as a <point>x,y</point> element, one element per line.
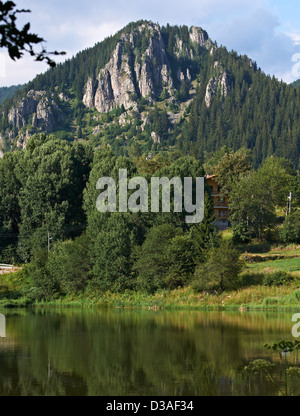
<point>44,286</point>
<point>204,284</point>
<point>166,259</point>
<point>69,264</point>
<point>250,279</point>
<point>290,232</point>
<point>221,270</point>
<point>279,278</point>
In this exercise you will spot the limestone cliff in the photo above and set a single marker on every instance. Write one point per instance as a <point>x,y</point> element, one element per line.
<point>36,109</point>
<point>145,64</point>
<point>218,83</point>
<point>129,75</point>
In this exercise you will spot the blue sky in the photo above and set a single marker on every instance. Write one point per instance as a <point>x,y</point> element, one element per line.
<point>268,31</point>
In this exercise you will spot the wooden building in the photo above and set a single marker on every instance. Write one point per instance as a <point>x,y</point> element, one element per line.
<point>221,206</point>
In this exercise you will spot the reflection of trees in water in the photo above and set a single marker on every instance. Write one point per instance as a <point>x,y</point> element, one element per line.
<point>124,352</point>
<point>2,326</point>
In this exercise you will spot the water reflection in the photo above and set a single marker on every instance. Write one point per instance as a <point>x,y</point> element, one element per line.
<point>122,352</point>
<point>2,326</point>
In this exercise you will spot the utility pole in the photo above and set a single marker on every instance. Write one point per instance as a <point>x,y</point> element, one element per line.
<point>289,204</point>
<point>49,242</point>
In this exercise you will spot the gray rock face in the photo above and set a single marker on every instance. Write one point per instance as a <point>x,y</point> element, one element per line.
<point>145,121</point>
<point>88,97</point>
<point>199,36</point>
<point>115,83</point>
<point>155,137</point>
<point>125,76</point>
<point>18,116</point>
<point>23,139</point>
<point>44,111</point>
<point>63,97</point>
<point>220,82</point>
<point>179,49</point>
<point>47,113</point>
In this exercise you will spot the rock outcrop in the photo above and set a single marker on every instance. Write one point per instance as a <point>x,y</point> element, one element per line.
<point>200,37</point>
<point>219,83</point>
<point>18,116</point>
<point>23,139</point>
<point>45,115</point>
<point>142,65</point>
<point>155,137</point>
<point>36,109</point>
<point>128,76</point>
<point>88,97</point>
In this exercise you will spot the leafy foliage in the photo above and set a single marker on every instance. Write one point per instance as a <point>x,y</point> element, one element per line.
<point>69,265</point>
<point>289,379</point>
<point>290,233</point>
<point>42,192</point>
<point>49,189</point>
<point>124,247</point>
<point>19,41</point>
<point>231,167</point>
<point>254,198</point>
<point>278,278</point>
<point>296,84</point>
<point>221,269</point>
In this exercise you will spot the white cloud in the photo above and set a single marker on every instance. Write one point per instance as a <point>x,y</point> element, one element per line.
<point>80,35</point>
<point>258,35</point>
<point>93,34</point>
<point>295,36</point>
<point>21,71</point>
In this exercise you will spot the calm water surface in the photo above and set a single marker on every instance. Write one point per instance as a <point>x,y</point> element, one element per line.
<point>142,353</point>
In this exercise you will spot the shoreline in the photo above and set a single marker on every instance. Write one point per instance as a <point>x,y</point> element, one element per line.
<point>283,299</point>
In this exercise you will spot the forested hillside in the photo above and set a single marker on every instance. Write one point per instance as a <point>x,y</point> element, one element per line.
<point>8,92</point>
<point>151,89</point>
<point>258,113</point>
<point>296,84</point>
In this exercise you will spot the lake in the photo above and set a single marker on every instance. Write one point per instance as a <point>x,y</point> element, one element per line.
<point>104,352</point>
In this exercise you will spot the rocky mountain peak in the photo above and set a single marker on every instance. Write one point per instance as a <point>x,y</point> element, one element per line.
<point>136,69</point>
<point>144,63</point>
<point>139,68</point>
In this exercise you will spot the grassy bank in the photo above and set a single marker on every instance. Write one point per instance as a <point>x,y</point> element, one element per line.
<point>248,298</point>
<point>252,298</point>
<point>256,289</point>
